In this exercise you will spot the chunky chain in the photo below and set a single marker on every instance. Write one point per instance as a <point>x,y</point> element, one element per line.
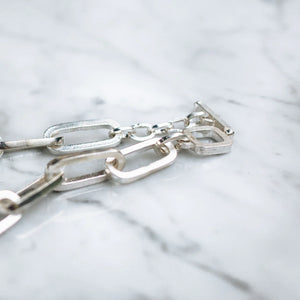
<point>166,139</point>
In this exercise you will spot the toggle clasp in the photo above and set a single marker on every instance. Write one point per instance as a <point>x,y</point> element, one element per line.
<point>207,117</point>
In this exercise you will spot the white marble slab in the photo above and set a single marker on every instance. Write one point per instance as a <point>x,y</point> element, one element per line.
<point>224,227</point>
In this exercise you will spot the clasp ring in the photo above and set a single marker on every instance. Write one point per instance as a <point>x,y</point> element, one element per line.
<point>150,132</point>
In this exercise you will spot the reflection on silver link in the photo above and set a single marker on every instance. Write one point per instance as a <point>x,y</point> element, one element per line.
<point>31,143</point>
<point>11,204</point>
<point>124,131</point>
<point>131,176</point>
<point>9,221</point>
<point>57,165</point>
<point>59,129</point>
<point>162,128</point>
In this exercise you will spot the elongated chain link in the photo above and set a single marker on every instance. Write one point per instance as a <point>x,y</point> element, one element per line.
<point>166,139</point>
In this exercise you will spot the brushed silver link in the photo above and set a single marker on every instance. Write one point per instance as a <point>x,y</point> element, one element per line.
<point>83,126</point>
<point>57,165</point>
<point>30,144</point>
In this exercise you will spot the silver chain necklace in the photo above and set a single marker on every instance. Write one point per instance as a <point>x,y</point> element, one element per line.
<point>166,139</point>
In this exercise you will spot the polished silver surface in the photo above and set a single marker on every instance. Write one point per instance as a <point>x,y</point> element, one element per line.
<point>30,144</point>
<point>9,221</point>
<point>125,131</point>
<point>149,135</point>
<point>12,204</point>
<point>220,142</point>
<point>162,128</point>
<point>131,176</point>
<point>179,139</point>
<point>59,129</point>
<point>57,165</point>
<point>39,188</point>
<point>9,201</point>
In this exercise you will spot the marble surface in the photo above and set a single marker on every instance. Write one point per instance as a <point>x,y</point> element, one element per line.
<point>224,227</point>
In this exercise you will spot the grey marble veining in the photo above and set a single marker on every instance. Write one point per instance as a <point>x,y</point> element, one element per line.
<point>224,227</point>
